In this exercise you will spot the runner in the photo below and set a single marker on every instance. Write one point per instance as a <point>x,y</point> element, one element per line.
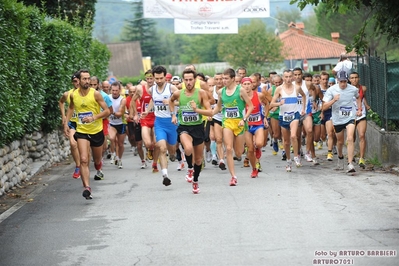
<point>233,99</point>
<point>71,124</point>
<point>289,115</point>
<point>165,131</point>
<point>191,130</point>
<point>340,98</point>
<point>86,102</point>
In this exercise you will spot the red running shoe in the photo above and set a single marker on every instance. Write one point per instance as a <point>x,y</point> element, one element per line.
<point>254,173</point>
<point>233,181</point>
<point>196,189</point>
<point>76,174</point>
<point>189,175</point>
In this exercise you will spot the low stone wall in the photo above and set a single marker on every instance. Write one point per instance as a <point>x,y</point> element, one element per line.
<point>382,144</point>
<point>17,158</point>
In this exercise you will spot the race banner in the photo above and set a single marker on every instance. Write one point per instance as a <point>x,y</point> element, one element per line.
<point>224,26</point>
<point>206,9</point>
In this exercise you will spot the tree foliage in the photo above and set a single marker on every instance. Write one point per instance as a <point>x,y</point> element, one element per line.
<point>285,17</point>
<point>69,10</point>
<point>384,13</point>
<point>253,45</point>
<point>143,30</point>
<point>348,24</point>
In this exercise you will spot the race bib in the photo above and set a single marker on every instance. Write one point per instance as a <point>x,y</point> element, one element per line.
<point>232,112</point>
<point>288,116</point>
<point>188,116</point>
<point>300,100</point>
<point>160,106</point>
<point>254,117</point>
<point>83,115</point>
<point>345,111</point>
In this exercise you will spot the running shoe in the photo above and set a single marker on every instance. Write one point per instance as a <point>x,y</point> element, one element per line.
<point>246,162</point>
<point>315,162</point>
<point>109,155</point>
<point>233,181</point>
<point>155,168</point>
<point>172,157</point>
<point>208,156</point>
<point>149,155</point>
<point>166,181</point>
<point>280,144</point>
<point>330,156</point>
<point>362,163</point>
<point>258,153</point>
<point>292,149</point>
<point>288,167</point>
<point>308,157</point>
<point>120,164</point>
<point>112,159</point>
<point>135,152</point>
<point>235,158</point>
<point>320,145</point>
<point>335,150</point>
<point>189,175</point>
<point>99,175</point>
<point>180,166</point>
<point>222,165</point>
<point>297,161</point>
<point>143,165</point>
<point>76,173</point>
<point>214,160</point>
<point>351,168</point>
<point>258,167</point>
<point>87,193</point>
<point>340,164</point>
<point>283,156</point>
<point>254,173</point>
<point>275,147</point>
<point>196,189</point>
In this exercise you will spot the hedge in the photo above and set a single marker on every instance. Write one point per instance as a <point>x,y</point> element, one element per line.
<point>39,55</point>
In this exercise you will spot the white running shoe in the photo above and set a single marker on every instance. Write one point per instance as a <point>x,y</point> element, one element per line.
<point>297,161</point>
<point>208,156</point>
<point>143,165</point>
<point>308,157</point>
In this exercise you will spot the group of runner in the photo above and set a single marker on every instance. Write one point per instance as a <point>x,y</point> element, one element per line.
<point>226,117</point>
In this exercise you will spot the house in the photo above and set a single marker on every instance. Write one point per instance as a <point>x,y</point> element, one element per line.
<point>311,53</point>
<point>126,59</point>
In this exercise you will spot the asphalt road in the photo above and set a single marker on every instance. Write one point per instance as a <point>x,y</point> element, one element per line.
<point>280,218</point>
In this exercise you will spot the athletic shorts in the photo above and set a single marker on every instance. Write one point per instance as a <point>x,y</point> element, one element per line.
<point>120,129</point>
<point>361,119</point>
<point>302,118</point>
<point>214,121</point>
<point>197,132</point>
<point>253,129</point>
<point>274,115</point>
<point>339,128</point>
<point>137,132</point>
<point>72,125</point>
<point>232,124</point>
<point>164,129</point>
<point>96,140</point>
<point>286,124</point>
<point>207,126</point>
<point>316,118</point>
<point>147,122</point>
<point>105,127</point>
<point>130,128</point>
<point>327,116</point>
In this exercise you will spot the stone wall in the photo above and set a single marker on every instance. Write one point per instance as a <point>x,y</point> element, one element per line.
<point>17,158</point>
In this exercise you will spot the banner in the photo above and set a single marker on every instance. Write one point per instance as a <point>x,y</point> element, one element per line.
<point>225,26</point>
<point>206,9</point>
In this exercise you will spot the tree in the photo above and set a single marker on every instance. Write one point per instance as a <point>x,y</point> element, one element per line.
<point>285,17</point>
<point>143,30</point>
<point>252,46</point>
<point>347,26</point>
<point>384,13</point>
<point>71,10</point>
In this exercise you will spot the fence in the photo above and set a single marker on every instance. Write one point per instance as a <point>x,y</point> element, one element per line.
<point>382,81</point>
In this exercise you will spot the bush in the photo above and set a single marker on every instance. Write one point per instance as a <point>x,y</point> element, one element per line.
<point>38,57</point>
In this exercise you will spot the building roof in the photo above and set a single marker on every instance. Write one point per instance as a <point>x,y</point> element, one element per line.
<point>126,59</point>
<point>298,45</point>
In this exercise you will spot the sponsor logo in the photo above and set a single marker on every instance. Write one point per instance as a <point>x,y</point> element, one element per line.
<point>205,10</point>
<point>255,9</point>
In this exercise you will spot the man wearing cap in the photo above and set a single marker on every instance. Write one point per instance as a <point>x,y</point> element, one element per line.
<point>340,98</point>
<point>176,80</point>
<point>168,78</point>
<point>71,124</point>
